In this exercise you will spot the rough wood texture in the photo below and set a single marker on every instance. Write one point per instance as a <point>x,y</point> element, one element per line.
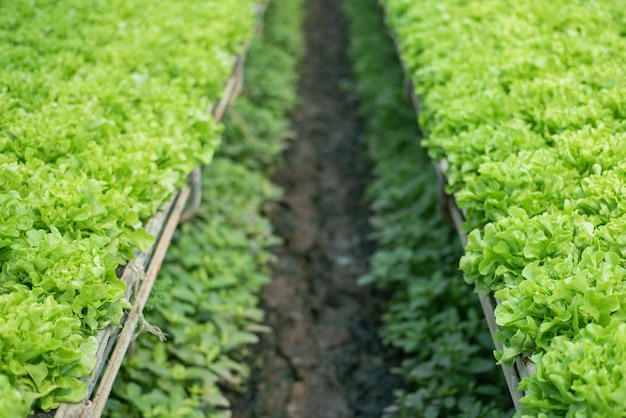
<point>195,182</point>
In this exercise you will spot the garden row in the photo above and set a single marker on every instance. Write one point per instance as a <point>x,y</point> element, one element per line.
<point>206,297</point>
<point>103,114</point>
<point>432,321</point>
<point>526,104</point>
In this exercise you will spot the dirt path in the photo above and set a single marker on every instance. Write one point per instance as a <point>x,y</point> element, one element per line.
<point>323,359</point>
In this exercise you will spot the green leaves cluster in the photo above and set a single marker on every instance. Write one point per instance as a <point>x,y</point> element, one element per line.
<point>583,376</point>
<point>45,351</point>
<point>525,101</point>
<point>102,114</point>
<point>206,296</point>
<point>432,321</point>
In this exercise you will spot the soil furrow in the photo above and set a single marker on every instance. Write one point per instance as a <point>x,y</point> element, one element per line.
<point>323,358</point>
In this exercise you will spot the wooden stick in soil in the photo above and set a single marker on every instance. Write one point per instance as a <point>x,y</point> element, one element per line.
<point>195,183</point>
<point>126,335</point>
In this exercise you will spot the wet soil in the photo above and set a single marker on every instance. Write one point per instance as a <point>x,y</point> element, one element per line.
<point>323,358</point>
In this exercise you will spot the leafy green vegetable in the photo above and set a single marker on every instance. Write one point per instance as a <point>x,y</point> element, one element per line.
<point>559,298</point>
<point>12,403</point>
<point>44,351</point>
<point>525,101</point>
<point>584,376</point>
<point>102,114</point>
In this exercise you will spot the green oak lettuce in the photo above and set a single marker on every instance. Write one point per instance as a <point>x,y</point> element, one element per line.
<point>43,350</point>
<point>526,103</point>
<point>103,113</point>
<point>583,376</point>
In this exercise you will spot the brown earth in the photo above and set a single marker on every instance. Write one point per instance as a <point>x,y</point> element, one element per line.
<point>323,358</point>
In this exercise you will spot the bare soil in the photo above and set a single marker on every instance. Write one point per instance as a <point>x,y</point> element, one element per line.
<point>323,358</point>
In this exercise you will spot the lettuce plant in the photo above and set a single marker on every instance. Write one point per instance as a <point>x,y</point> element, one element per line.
<point>102,114</point>
<point>583,376</point>
<point>526,103</point>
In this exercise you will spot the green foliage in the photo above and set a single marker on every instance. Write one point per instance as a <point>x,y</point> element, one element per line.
<point>268,94</point>
<point>525,100</point>
<point>102,113</point>
<point>575,370</point>
<point>45,351</point>
<point>12,404</point>
<point>206,296</point>
<point>206,299</point>
<point>432,320</point>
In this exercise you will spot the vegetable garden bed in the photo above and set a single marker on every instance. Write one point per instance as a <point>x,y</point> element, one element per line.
<point>103,117</point>
<point>140,275</point>
<point>166,77</point>
<point>523,365</point>
<point>432,321</point>
<point>525,105</point>
<point>207,295</point>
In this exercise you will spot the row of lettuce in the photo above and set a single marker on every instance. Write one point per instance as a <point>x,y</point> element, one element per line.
<point>526,101</point>
<point>207,294</point>
<point>432,321</point>
<point>102,114</point>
